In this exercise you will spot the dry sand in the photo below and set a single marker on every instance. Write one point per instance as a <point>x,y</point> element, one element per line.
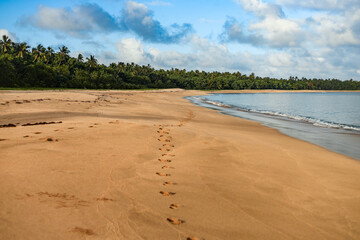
<point>150,165</point>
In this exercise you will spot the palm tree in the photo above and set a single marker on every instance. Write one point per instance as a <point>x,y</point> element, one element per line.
<point>5,43</point>
<point>80,57</point>
<point>50,50</point>
<point>92,61</point>
<point>39,53</point>
<point>49,54</point>
<point>64,54</point>
<point>22,49</point>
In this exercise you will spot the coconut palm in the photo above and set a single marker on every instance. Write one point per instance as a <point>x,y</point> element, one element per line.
<point>49,53</point>
<point>22,49</point>
<point>50,50</point>
<point>80,57</point>
<point>5,43</point>
<point>64,54</point>
<point>92,61</point>
<point>39,53</point>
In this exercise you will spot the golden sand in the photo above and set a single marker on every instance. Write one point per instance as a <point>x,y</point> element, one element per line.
<point>151,165</point>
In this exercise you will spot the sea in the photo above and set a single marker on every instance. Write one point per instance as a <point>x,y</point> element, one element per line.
<point>328,119</point>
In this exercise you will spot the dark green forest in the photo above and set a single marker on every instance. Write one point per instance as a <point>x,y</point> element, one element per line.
<point>24,67</point>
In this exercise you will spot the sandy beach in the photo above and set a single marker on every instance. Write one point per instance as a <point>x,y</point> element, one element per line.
<point>129,165</point>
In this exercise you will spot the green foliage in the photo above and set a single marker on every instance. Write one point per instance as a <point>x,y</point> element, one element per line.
<point>45,68</point>
<point>8,74</point>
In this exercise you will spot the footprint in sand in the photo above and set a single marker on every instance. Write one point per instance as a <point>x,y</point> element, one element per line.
<point>168,145</point>
<point>167,137</point>
<point>163,174</point>
<point>175,221</point>
<point>169,183</point>
<point>84,231</point>
<point>37,132</point>
<point>164,149</point>
<point>104,199</point>
<point>162,132</point>
<point>174,206</point>
<point>167,194</point>
<point>164,160</point>
<point>51,139</point>
<point>169,155</point>
<point>167,167</point>
<point>164,140</point>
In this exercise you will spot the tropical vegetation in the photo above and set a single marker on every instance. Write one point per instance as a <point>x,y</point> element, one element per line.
<point>24,67</point>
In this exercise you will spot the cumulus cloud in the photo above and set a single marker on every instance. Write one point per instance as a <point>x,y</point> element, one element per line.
<point>322,5</point>
<point>271,28</point>
<point>139,19</point>
<point>261,9</point>
<point>281,59</point>
<point>7,33</point>
<point>234,31</point>
<point>83,20</point>
<point>278,32</point>
<point>132,50</point>
<point>208,56</point>
<point>201,56</point>
<point>77,22</point>
<point>335,30</point>
<point>271,31</point>
<point>334,23</point>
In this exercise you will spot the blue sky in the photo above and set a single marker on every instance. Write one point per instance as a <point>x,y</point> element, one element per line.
<point>275,38</point>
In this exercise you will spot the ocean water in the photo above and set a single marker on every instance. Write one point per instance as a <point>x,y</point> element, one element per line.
<point>328,119</point>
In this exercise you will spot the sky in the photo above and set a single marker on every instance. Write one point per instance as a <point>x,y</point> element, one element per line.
<point>271,38</point>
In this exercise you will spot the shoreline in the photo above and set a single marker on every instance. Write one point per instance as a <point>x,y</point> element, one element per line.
<point>105,172</point>
<point>340,140</point>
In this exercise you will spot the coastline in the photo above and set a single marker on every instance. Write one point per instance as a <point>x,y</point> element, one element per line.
<point>97,177</point>
<point>340,138</point>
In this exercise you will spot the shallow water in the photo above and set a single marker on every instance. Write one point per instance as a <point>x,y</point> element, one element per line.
<point>331,120</point>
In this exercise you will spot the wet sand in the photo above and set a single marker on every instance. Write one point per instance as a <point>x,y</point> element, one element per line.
<point>151,165</point>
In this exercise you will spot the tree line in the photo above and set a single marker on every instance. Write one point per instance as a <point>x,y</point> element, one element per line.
<point>24,67</point>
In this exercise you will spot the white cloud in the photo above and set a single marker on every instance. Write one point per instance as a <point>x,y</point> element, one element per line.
<point>321,4</point>
<point>132,50</point>
<point>139,19</point>
<point>208,56</point>
<point>7,33</point>
<point>260,8</point>
<point>204,56</point>
<point>324,28</point>
<point>335,30</point>
<point>83,20</point>
<point>280,59</point>
<point>270,28</point>
<point>78,21</point>
<point>278,32</point>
